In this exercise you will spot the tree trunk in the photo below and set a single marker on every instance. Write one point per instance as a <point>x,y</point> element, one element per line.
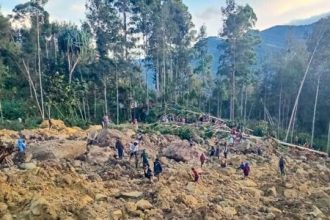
<point>315,107</point>
<point>245,103</point>
<point>279,113</point>
<point>105,96</point>
<point>301,86</point>
<point>39,70</point>
<point>117,97</point>
<point>1,113</point>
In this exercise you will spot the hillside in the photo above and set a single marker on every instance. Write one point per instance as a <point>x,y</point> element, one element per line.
<point>62,181</point>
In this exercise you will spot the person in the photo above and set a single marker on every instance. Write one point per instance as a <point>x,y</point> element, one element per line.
<point>223,163</point>
<point>195,175</point>
<point>120,148</point>
<point>148,173</point>
<point>281,165</point>
<point>212,151</point>
<point>246,169</point>
<point>21,146</point>
<point>259,151</point>
<point>217,152</point>
<point>191,142</point>
<point>202,159</point>
<point>225,151</point>
<point>105,121</point>
<point>133,149</point>
<point>157,168</point>
<point>144,156</point>
<point>50,124</point>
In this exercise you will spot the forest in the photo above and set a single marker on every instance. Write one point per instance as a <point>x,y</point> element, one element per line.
<point>145,58</point>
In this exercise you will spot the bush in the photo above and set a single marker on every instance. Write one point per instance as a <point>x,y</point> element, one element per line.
<point>184,133</point>
<point>71,122</point>
<point>261,129</point>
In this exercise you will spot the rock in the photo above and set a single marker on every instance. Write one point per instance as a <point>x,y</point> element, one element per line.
<point>40,207</point>
<point>101,197</point>
<point>117,215</point>
<point>180,151</point>
<point>44,155</point>
<point>227,212</point>
<point>67,179</point>
<point>190,201</point>
<point>270,216</point>
<point>86,200</point>
<point>249,183</point>
<point>228,171</point>
<point>76,163</point>
<point>191,187</point>
<point>317,213</point>
<point>274,211</point>
<point>7,216</point>
<point>271,192</point>
<point>28,157</point>
<point>27,166</point>
<point>3,208</point>
<point>288,185</point>
<point>143,205</point>
<point>131,195</point>
<point>131,207</point>
<point>290,193</point>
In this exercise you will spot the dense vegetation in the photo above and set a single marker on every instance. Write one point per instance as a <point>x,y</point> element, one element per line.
<point>79,73</point>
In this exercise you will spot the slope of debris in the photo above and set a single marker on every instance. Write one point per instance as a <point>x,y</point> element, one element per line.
<point>62,180</point>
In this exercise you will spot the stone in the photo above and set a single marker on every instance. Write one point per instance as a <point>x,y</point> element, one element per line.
<point>41,208</point>
<point>117,215</point>
<point>28,157</point>
<point>131,207</point>
<point>190,201</point>
<point>86,200</point>
<point>290,193</point>
<point>270,216</point>
<point>227,212</point>
<point>249,183</point>
<point>100,197</point>
<point>27,166</point>
<point>131,195</point>
<point>275,211</point>
<point>191,187</point>
<point>143,204</point>
<point>7,216</point>
<point>288,185</point>
<point>317,213</point>
<point>3,208</point>
<point>67,179</point>
<point>271,191</point>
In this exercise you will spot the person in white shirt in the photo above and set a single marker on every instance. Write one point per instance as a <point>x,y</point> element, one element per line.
<point>134,148</point>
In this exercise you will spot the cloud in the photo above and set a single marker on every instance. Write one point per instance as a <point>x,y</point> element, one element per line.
<point>211,17</point>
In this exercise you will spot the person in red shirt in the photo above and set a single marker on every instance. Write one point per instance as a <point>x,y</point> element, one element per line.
<point>202,159</point>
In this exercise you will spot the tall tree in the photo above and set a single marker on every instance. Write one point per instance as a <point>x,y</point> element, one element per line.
<point>240,42</point>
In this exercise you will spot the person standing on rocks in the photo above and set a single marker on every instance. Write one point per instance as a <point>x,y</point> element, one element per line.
<point>133,149</point>
<point>217,152</point>
<point>195,175</point>
<point>105,121</point>
<point>21,146</point>
<point>225,151</point>
<point>202,159</point>
<point>148,173</point>
<point>157,168</point>
<point>120,148</point>
<point>281,165</point>
<point>145,161</point>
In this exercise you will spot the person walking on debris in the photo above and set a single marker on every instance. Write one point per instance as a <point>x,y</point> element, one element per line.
<point>212,151</point>
<point>246,169</point>
<point>21,146</point>
<point>148,173</point>
<point>281,165</point>
<point>133,149</point>
<point>223,163</point>
<point>202,158</point>
<point>145,161</point>
<point>120,148</point>
<point>105,121</point>
<point>157,168</point>
<point>195,175</point>
<point>225,151</point>
<point>217,152</point>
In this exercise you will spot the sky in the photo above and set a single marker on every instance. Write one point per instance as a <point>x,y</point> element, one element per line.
<point>269,12</point>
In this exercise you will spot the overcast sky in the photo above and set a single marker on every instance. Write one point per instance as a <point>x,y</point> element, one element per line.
<point>269,12</point>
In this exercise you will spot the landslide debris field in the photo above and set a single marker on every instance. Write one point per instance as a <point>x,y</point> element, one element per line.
<point>61,181</point>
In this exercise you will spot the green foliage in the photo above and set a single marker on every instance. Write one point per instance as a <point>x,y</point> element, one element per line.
<point>260,129</point>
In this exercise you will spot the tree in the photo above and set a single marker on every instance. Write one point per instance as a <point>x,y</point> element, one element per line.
<point>240,42</point>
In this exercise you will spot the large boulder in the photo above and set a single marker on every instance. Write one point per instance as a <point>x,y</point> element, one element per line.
<point>180,151</point>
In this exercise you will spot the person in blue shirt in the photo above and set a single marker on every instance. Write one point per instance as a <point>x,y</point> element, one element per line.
<point>21,145</point>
